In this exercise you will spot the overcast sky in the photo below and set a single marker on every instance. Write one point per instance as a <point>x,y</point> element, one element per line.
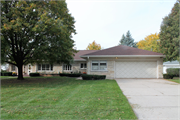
<point>106,21</point>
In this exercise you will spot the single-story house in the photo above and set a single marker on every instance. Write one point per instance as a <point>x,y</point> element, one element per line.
<point>115,62</point>
<point>170,64</point>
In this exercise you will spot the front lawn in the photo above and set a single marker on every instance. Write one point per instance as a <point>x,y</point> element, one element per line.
<point>175,79</point>
<point>63,98</point>
<point>7,77</point>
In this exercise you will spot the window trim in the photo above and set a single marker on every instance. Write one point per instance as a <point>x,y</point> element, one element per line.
<point>99,61</point>
<point>50,67</point>
<point>67,65</point>
<point>83,65</point>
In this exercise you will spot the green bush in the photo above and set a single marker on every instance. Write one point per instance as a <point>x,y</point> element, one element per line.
<point>174,71</point>
<point>70,74</point>
<point>34,74</point>
<point>93,77</point>
<point>6,73</point>
<point>63,74</point>
<point>74,75</point>
<point>168,76</point>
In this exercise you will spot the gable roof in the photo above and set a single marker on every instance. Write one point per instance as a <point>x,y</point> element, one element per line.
<point>82,52</point>
<point>122,50</point>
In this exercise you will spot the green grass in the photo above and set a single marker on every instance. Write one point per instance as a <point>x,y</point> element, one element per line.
<point>7,77</point>
<point>175,79</point>
<point>63,98</point>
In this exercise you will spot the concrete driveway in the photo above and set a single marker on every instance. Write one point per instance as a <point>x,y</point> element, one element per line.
<point>152,99</point>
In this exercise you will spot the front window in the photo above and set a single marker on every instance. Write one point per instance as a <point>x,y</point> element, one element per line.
<point>83,65</point>
<point>45,67</point>
<point>99,65</point>
<point>13,67</point>
<point>67,67</point>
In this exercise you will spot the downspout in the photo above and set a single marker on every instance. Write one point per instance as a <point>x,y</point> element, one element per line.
<point>87,65</point>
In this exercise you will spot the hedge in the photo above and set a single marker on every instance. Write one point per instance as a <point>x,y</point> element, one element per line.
<point>70,74</point>
<point>34,74</point>
<point>93,77</point>
<point>6,73</point>
<point>63,74</point>
<point>168,76</point>
<point>173,71</point>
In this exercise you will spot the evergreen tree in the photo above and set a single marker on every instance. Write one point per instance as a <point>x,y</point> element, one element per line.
<point>128,40</point>
<point>122,41</point>
<point>169,34</point>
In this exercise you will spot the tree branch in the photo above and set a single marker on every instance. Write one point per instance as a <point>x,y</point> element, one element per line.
<point>11,63</point>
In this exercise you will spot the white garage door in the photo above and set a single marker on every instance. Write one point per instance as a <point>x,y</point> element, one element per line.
<point>136,69</point>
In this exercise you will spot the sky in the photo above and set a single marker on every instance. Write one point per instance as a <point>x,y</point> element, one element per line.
<point>105,21</point>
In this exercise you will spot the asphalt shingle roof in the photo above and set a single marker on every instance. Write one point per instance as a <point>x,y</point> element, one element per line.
<point>123,50</point>
<point>82,52</point>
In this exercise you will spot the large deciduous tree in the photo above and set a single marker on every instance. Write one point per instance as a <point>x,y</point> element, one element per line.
<point>150,42</point>
<point>169,34</point>
<point>93,46</point>
<point>128,40</point>
<point>36,31</point>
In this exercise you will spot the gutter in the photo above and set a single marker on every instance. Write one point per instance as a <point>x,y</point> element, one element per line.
<point>84,56</point>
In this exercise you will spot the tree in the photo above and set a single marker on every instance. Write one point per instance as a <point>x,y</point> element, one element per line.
<point>123,40</point>
<point>128,40</point>
<point>150,42</point>
<point>169,34</point>
<point>35,32</point>
<point>93,46</point>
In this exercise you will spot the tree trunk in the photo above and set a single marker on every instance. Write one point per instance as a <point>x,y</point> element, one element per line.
<point>20,74</point>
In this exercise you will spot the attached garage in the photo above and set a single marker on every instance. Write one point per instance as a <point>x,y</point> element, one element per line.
<point>136,69</point>
<point>125,62</point>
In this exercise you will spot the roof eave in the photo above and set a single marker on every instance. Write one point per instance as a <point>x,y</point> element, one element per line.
<point>79,60</point>
<point>84,56</point>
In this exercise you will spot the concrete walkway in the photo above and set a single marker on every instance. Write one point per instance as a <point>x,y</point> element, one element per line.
<point>152,99</point>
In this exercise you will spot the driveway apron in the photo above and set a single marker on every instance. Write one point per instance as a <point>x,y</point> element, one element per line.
<point>152,99</point>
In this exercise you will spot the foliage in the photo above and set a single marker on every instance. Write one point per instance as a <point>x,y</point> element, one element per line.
<point>63,98</point>
<point>14,74</point>
<point>174,71</point>
<point>127,40</point>
<point>93,77</point>
<point>84,73</point>
<point>34,74</point>
<point>6,73</point>
<point>93,46</point>
<point>150,42</point>
<point>123,40</point>
<point>168,76</point>
<point>70,74</point>
<point>169,34</point>
<point>36,31</point>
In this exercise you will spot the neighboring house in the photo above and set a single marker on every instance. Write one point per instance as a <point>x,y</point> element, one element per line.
<point>115,62</point>
<point>172,64</point>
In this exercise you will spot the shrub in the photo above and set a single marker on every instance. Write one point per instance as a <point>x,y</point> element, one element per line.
<point>74,75</point>
<point>34,74</point>
<point>93,77</point>
<point>63,74</point>
<point>70,74</point>
<point>168,76</point>
<point>14,74</point>
<point>6,73</point>
<point>174,71</point>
